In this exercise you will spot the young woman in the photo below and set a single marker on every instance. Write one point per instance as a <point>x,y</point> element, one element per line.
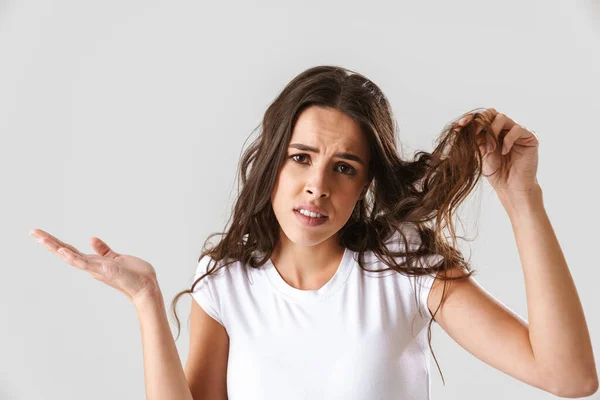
<point>323,283</point>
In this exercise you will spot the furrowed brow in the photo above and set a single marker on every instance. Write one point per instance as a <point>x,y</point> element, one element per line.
<point>347,156</point>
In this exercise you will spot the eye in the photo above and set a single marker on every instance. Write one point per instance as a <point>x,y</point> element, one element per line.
<point>350,170</point>
<point>297,155</point>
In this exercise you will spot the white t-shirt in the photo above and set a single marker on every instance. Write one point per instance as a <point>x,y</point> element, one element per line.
<point>349,340</point>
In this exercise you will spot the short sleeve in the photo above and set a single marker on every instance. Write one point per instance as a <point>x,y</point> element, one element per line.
<point>205,293</point>
<point>423,283</point>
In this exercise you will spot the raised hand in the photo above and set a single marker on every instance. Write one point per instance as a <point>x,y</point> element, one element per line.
<point>520,147</point>
<point>130,275</point>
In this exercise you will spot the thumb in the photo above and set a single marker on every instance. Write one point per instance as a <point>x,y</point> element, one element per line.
<point>487,146</point>
<point>483,149</point>
<point>102,248</point>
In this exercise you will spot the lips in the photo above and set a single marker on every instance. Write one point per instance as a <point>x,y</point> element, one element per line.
<point>311,208</point>
<point>310,221</point>
<point>308,216</point>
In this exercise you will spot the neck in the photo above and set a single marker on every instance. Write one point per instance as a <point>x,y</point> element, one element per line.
<point>307,267</point>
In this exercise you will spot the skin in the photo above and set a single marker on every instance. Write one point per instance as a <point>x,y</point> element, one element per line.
<point>307,257</point>
<point>130,275</point>
<point>552,351</point>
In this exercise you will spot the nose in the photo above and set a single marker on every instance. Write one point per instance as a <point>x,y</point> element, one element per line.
<point>317,184</point>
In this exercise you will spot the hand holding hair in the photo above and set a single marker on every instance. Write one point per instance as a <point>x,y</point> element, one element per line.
<point>519,146</point>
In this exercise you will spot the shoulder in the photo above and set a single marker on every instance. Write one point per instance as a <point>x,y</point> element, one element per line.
<point>437,288</point>
<point>224,273</point>
<point>215,268</point>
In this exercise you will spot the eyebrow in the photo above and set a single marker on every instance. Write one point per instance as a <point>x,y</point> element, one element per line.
<point>347,156</point>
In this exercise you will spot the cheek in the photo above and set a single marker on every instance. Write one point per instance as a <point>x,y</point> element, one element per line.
<point>280,191</point>
<point>348,206</point>
<point>286,182</point>
<point>288,187</point>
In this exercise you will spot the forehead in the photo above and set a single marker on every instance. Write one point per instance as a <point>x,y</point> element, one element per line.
<point>331,128</point>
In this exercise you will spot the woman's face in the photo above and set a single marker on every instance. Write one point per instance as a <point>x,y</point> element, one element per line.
<point>322,178</point>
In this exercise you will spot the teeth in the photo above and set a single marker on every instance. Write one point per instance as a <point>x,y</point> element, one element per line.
<point>310,214</point>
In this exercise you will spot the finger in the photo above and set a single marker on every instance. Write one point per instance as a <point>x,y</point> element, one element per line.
<point>93,264</point>
<point>511,137</point>
<point>461,123</point>
<point>74,259</point>
<point>102,248</point>
<point>531,131</point>
<point>483,149</point>
<point>52,242</point>
<point>465,120</point>
<point>490,114</point>
<point>501,123</point>
<point>53,246</point>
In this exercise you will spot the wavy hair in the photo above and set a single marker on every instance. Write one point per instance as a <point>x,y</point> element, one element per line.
<point>423,193</point>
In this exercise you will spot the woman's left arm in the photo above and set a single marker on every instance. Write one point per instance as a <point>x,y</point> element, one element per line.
<point>558,331</point>
<point>557,327</point>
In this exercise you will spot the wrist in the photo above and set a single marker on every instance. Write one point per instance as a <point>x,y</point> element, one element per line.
<point>150,296</point>
<point>522,202</point>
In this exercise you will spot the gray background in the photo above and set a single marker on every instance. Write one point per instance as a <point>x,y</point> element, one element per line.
<point>125,120</point>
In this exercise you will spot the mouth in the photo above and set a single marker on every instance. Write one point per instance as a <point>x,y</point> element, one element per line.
<point>308,216</point>
<point>310,221</point>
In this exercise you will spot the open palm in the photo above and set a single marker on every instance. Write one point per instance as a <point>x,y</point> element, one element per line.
<point>130,275</point>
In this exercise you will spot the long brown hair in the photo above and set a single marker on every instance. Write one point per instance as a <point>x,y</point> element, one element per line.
<point>423,193</point>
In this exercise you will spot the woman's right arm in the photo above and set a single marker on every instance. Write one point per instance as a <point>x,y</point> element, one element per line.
<point>163,371</point>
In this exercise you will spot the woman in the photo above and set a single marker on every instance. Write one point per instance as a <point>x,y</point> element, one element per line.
<point>317,289</point>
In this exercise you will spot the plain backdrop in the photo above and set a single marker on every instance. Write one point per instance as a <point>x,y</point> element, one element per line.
<point>125,120</point>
